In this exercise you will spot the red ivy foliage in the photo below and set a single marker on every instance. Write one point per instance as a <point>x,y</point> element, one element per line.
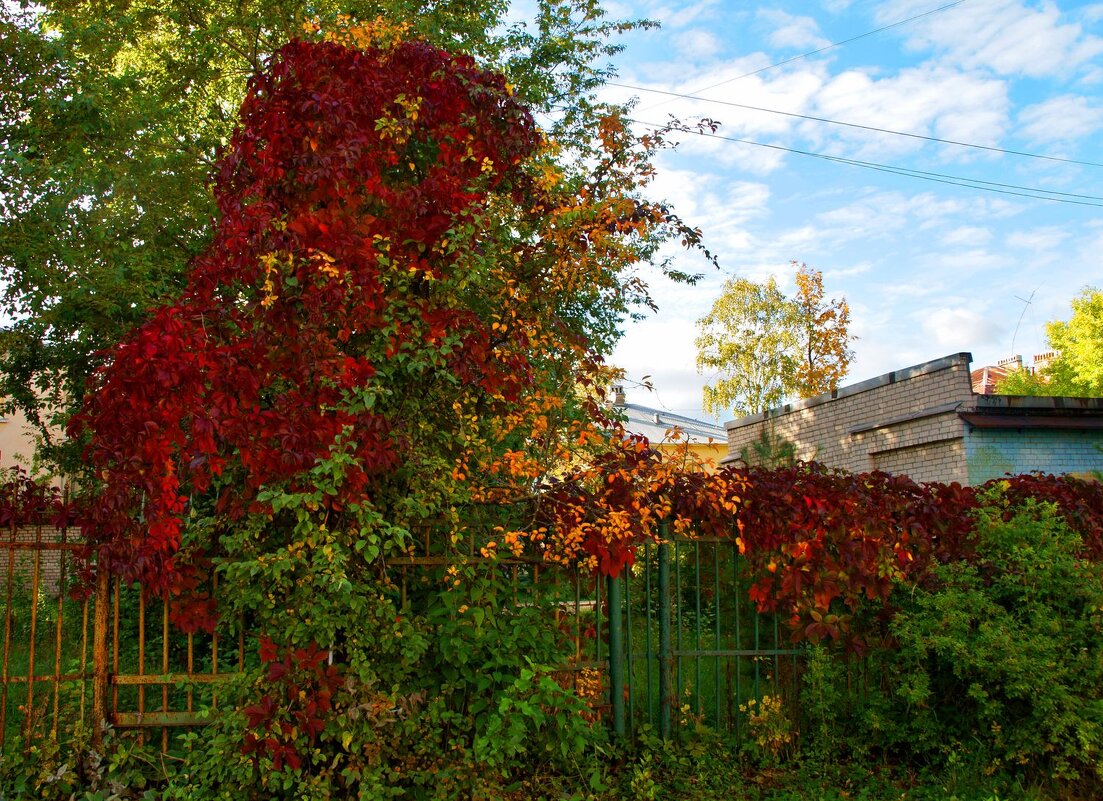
<point>26,502</point>
<point>291,715</point>
<point>821,544</point>
<point>336,197</point>
<point>815,536</point>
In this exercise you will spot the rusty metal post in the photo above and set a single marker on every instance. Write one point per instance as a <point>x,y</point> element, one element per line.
<point>99,655</point>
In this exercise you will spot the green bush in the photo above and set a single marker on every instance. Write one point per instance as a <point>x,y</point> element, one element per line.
<point>1003,658</point>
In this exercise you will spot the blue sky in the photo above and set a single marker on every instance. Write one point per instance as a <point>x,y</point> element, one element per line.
<point>928,268</point>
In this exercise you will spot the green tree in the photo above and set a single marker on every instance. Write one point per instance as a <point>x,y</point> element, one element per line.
<point>749,338</point>
<point>765,347</point>
<point>111,117</point>
<point>1079,342</point>
<point>1077,369</point>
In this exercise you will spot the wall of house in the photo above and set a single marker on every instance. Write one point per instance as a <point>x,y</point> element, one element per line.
<point>50,569</point>
<point>905,421</point>
<point>932,461</point>
<point>17,441</point>
<point>994,452</point>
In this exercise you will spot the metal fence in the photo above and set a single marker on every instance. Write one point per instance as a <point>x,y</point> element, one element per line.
<point>686,643</point>
<point>673,641</point>
<point>70,665</point>
<point>41,660</point>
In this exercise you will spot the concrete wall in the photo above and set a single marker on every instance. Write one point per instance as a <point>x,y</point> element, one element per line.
<point>992,452</point>
<point>904,421</point>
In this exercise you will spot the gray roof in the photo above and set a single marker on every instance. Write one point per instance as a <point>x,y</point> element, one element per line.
<point>654,423</point>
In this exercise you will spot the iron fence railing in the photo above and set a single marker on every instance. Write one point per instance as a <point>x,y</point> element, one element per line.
<point>686,641</point>
<point>674,639</point>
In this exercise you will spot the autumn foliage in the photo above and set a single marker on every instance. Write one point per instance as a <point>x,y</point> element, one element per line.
<point>824,336</point>
<point>26,502</point>
<point>396,329</point>
<point>827,548</point>
<point>346,199</point>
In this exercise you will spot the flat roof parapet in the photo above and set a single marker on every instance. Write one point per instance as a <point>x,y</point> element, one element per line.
<point>995,404</point>
<point>896,376</point>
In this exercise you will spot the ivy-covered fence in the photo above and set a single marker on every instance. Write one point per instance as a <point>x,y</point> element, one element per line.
<point>73,664</point>
<point>695,629</point>
<point>674,638</point>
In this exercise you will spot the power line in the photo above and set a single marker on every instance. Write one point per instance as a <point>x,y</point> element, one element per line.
<point>856,125</point>
<point>822,49</point>
<point>973,183</point>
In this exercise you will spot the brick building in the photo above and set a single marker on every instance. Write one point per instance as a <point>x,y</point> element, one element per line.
<point>927,422</point>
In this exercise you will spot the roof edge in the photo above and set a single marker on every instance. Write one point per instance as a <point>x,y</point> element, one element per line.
<point>894,377</point>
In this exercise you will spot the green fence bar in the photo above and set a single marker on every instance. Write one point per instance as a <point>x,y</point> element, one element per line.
<point>717,682</point>
<point>630,667</point>
<point>677,611</point>
<point>648,653</point>
<point>616,653</point>
<point>697,629</point>
<point>666,652</point>
<point>682,633</point>
<point>738,639</point>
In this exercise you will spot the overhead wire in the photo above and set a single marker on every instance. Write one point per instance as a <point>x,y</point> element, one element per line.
<point>873,128</point>
<point>956,180</point>
<point>831,46</point>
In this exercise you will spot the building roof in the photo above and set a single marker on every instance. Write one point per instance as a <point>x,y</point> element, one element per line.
<point>1020,411</point>
<point>986,379</point>
<point>655,423</point>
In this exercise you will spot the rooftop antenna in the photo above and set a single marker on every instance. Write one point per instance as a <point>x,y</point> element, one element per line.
<point>1026,305</point>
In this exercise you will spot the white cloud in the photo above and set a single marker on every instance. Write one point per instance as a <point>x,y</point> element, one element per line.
<point>837,274</point>
<point>959,329</point>
<point>926,100</point>
<point>1093,76</point>
<point>729,82</point>
<point>1092,13</point>
<point>1005,36</point>
<point>967,236</point>
<point>792,32</point>
<point>684,16</point>
<point>723,209</point>
<point>697,195</point>
<point>697,44</point>
<point>962,264</point>
<point>799,239</point>
<point>1090,256</point>
<point>1060,119</point>
<point>1037,239</point>
<point>876,215</point>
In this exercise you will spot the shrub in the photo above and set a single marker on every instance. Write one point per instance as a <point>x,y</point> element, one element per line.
<point>1005,654</point>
